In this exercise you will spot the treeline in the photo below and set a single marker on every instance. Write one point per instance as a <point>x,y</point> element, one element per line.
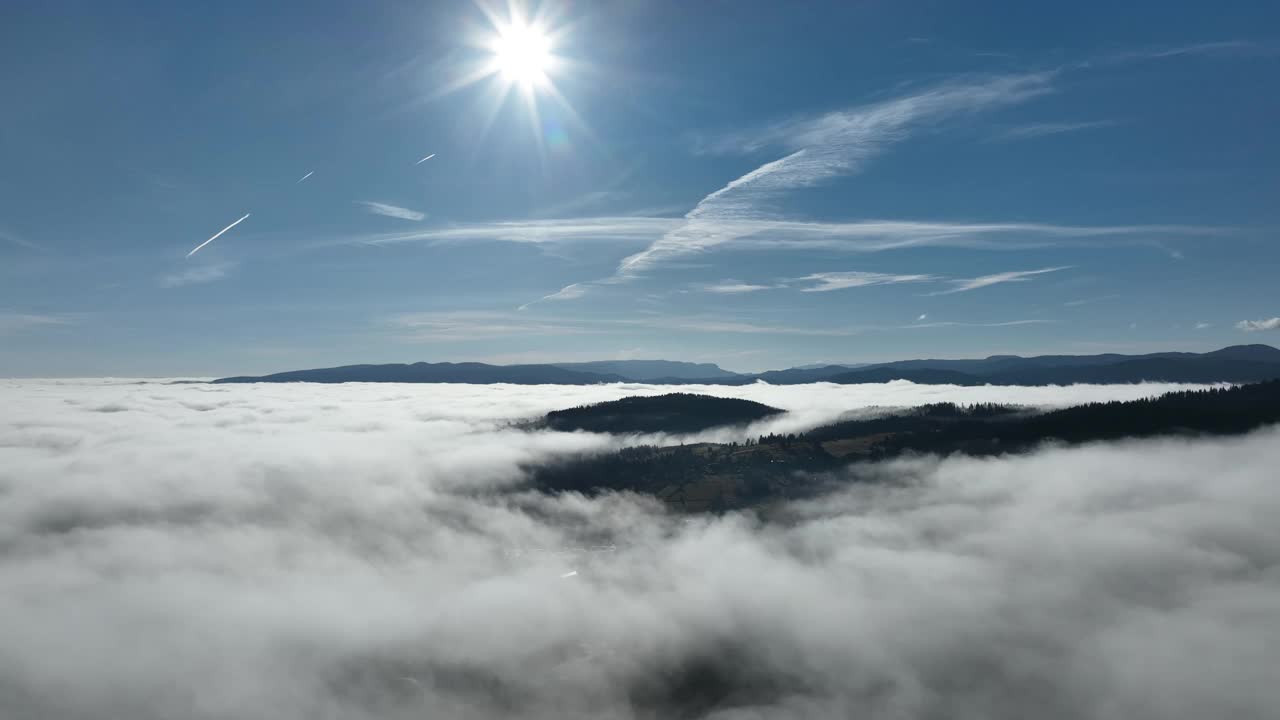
<point>916,419</point>
<point>720,476</point>
<point>670,413</point>
<point>706,476</point>
<point>1218,411</point>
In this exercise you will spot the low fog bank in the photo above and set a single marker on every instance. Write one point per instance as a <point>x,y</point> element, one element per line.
<point>301,551</point>
<point>395,406</point>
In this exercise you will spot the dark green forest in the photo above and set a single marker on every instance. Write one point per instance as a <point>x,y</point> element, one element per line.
<point>1212,412</point>
<point>772,468</point>
<point>679,413</point>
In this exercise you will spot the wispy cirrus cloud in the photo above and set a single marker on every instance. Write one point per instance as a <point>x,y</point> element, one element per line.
<point>841,143</point>
<point>1259,325</point>
<point>965,285</point>
<point>391,211</point>
<point>956,323</point>
<point>819,149</point>
<point>568,292</point>
<point>846,138</point>
<point>595,199</point>
<point>13,322</point>
<point>194,276</point>
<point>719,325</point>
<point>479,325</point>
<point>822,148</point>
<point>1090,301</point>
<point>1205,48</point>
<point>769,233</point>
<point>535,231</point>
<point>827,281</point>
<point>730,325</point>
<point>879,235</point>
<point>734,287</point>
<point>1036,130</point>
<point>1217,47</point>
<point>462,326</point>
<point>740,327</point>
<point>21,241</point>
<point>450,326</point>
<point>695,325</point>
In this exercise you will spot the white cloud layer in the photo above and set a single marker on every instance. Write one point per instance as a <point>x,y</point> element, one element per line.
<point>304,551</point>
<point>1256,325</point>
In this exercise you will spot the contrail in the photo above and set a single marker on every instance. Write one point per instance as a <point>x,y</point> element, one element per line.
<point>425,159</point>
<point>215,237</point>
<point>304,177</point>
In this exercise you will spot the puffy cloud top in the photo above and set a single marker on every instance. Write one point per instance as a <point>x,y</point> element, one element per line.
<point>365,551</point>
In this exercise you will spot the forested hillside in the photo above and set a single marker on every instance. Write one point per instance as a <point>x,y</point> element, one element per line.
<point>671,413</point>
<point>717,476</point>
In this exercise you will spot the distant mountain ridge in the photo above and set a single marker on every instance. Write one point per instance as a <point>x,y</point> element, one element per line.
<point>1235,364</point>
<point>646,370</point>
<point>422,372</point>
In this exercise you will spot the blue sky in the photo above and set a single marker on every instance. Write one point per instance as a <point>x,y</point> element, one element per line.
<point>755,184</point>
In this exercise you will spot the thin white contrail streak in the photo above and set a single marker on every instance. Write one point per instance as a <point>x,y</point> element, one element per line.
<point>215,237</point>
<point>425,159</point>
<point>304,177</point>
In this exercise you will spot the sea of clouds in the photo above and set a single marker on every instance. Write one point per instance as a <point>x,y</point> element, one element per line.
<point>368,551</point>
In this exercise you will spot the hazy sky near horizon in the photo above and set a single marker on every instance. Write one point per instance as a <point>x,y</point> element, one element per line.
<point>754,184</point>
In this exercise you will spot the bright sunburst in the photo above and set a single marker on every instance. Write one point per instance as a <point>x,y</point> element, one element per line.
<point>522,53</point>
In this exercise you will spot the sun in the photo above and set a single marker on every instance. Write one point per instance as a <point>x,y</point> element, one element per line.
<point>522,54</point>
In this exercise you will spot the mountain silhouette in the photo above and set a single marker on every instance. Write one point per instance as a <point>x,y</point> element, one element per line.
<point>1235,364</point>
<point>649,370</point>
<point>421,372</point>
